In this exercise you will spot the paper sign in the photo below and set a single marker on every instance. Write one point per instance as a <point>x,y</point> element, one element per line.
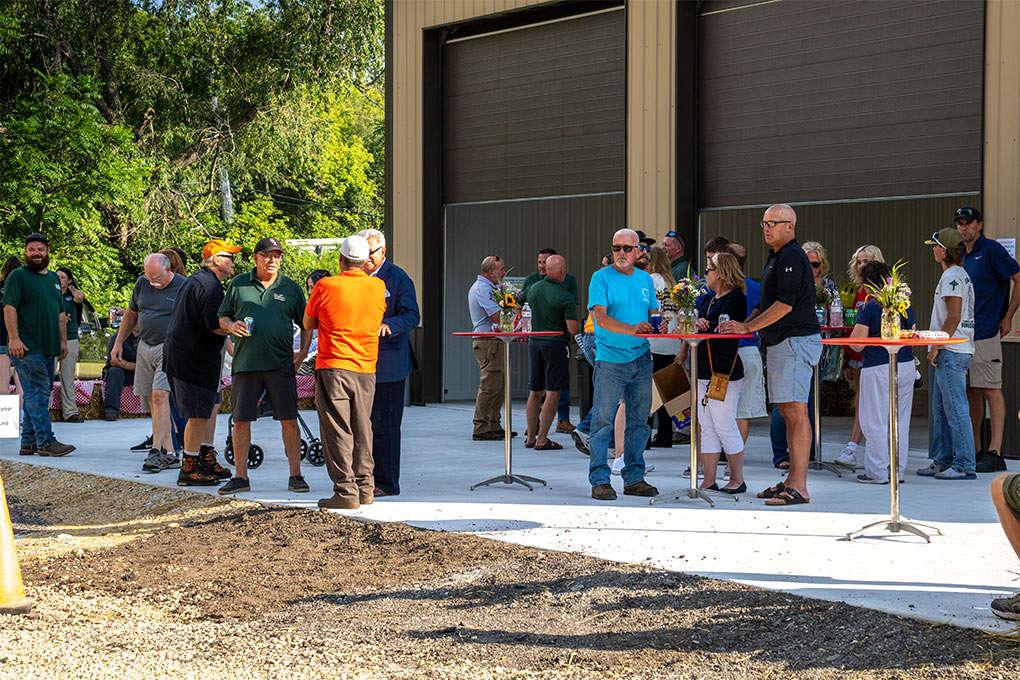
<point>1009,244</point>
<point>9,415</point>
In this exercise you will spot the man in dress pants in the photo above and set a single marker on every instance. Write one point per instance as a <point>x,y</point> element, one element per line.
<point>396,361</point>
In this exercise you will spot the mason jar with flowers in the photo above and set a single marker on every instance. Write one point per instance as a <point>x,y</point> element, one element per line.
<point>893,297</point>
<point>508,297</point>
<point>685,294</point>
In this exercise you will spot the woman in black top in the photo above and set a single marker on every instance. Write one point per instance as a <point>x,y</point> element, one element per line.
<point>718,419</point>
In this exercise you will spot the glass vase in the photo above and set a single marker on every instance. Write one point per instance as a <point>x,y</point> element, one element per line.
<point>506,321</point>
<point>686,320</point>
<point>890,324</point>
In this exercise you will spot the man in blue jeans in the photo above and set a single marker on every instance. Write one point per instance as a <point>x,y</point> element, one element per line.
<point>621,298</point>
<point>33,308</point>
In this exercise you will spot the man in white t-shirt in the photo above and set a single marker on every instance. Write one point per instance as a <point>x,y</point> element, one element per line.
<point>952,448</point>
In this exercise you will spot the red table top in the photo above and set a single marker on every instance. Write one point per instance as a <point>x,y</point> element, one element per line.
<point>695,336</point>
<point>901,342</point>
<point>837,328</point>
<point>498,334</point>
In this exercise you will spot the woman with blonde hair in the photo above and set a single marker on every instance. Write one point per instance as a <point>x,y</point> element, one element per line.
<point>663,349</point>
<point>718,417</point>
<point>852,371</point>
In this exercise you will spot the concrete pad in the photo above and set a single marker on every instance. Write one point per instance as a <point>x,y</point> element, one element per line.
<point>800,550</point>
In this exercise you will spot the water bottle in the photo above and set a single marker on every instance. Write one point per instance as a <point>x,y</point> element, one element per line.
<point>526,318</point>
<point>836,313</point>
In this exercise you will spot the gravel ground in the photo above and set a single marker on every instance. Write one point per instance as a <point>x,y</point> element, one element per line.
<point>192,586</point>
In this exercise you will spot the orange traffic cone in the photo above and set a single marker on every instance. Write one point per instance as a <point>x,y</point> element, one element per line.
<point>12,591</point>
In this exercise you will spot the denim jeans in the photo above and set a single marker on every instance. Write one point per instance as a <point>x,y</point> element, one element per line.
<point>36,374</point>
<point>777,430</point>
<point>588,347</point>
<point>633,382</point>
<point>950,417</point>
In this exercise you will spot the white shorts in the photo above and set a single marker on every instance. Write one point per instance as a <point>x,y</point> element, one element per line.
<point>752,394</point>
<point>718,420</point>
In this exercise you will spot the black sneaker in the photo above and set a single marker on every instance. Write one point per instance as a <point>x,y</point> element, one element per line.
<point>297,484</point>
<point>991,462</point>
<point>235,485</point>
<point>144,446</point>
<point>980,454</point>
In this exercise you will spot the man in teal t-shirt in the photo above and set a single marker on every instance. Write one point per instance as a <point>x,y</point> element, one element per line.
<point>621,297</point>
<point>32,310</point>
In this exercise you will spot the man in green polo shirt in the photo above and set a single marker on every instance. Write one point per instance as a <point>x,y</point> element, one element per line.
<point>264,357</point>
<point>552,309</point>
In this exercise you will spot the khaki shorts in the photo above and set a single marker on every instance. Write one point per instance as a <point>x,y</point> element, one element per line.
<point>149,373</point>
<point>986,366</point>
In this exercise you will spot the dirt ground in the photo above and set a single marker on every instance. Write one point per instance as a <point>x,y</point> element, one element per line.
<point>144,582</point>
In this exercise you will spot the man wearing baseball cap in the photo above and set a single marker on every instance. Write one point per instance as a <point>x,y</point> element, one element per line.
<point>193,358</point>
<point>264,358</point>
<point>347,309</point>
<point>991,269</point>
<point>32,311</point>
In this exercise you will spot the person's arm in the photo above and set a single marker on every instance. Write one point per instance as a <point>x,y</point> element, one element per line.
<point>76,295</point>
<point>755,322</point>
<point>15,347</point>
<point>573,327</point>
<point>127,327</point>
<point>406,315</point>
<point>1006,324</point>
<point>954,312</point>
<point>860,331</point>
<point>309,322</point>
<point>62,320</point>
<point>606,322</point>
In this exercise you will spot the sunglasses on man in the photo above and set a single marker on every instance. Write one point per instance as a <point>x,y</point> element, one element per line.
<point>625,249</point>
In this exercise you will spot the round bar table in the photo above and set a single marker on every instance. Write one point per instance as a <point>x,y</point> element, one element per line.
<point>508,477</point>
<point>895,523</point>
<point>693,339</point>
<point>818,463</point>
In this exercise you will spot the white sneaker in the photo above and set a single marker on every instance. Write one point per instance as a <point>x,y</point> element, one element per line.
<point>648,468</point>
<point>846,459</point>
<point>617,465</point>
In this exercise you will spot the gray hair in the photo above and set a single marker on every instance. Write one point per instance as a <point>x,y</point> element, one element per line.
<point>627,232</point>
<point>348,262</point>
<point>159,258</point>
<point>373,234</point>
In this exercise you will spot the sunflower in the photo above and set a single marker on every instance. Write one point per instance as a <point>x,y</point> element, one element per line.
<point>510,300</point>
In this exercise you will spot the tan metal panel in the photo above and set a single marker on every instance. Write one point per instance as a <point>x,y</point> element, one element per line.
<point>651,115</point>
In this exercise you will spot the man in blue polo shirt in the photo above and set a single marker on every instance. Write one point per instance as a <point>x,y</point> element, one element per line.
<point>621,298</point>
<point>991,269</point>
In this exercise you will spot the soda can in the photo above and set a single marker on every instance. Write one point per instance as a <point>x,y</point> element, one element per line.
<point>656,321</point>
<point>849,317</point>
<point>250,323</point>
<point>723,318</point>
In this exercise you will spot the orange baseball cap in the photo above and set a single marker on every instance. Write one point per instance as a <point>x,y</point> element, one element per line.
<point>217,246</point>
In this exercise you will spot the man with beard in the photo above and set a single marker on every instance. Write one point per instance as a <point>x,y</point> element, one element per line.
<point>32,306</point>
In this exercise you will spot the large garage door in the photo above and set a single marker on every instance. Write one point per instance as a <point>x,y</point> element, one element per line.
<point>807,101</point>
<point>535,111</point>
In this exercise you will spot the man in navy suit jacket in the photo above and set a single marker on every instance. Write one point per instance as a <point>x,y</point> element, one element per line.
<point>396,361</point>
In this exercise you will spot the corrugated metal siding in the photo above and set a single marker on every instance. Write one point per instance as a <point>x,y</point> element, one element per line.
<point>410,17</point>
<point>651,116</point>
<point>535,112</point>
<point>844,99</point>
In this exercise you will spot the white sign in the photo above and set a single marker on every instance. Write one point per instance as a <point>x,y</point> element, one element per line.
<point>9,416</point>
<point>1009,244</point>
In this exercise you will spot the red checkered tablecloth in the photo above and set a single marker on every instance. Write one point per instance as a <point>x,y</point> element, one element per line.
<point>305,385</point>
<point>82,393</point>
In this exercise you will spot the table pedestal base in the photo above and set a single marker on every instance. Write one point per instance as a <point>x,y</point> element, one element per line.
<point>895,526</point>
<point>683,494</point>
<point>511,479</point>
<point>823,465</point>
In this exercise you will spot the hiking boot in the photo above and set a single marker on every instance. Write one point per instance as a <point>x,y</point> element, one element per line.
<point>209,466</point>
<point>580,441</point>
<point>1007,607</point>
<point>144,446</point>
<point>297,484</point>
<point>641,488</point>
<point>235,485</point>
<point>338,502</point>
<point>55,449</point>
<point>991,462</point>
<point>565,427</point>
<point>191,474</point>
<point>154,462</point>
<point>603,492</point>
<point>847,459</point>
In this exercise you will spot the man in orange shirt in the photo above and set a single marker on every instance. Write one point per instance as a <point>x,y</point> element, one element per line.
<point>347,309</point>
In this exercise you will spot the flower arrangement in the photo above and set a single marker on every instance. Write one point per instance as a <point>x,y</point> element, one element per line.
<point>687,291</point>
<point>823,296</point>
<point>506,295</point>
<point>894,294</point>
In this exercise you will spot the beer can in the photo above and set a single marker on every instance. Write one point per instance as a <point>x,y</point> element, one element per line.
<point>250,323</point>
<point>656,321</point>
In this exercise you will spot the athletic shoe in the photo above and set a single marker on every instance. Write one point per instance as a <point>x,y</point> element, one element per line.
<point>952,474</point>
<point>930,470</point>
<point>191,475</point>
<point>154,462</point>
<point>298,484</point>
<point>171,461</point>
<point>847,459</point>
<point>1007,607</point>
<point>648,468</point>
<point>235,485</point>
<point>209,465</point>
<point>144,446</point>
<point>992,462</point>
<point>580,441</point>
<point>864,479</point>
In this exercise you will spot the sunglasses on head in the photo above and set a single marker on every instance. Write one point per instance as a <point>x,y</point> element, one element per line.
<point>625,249</point>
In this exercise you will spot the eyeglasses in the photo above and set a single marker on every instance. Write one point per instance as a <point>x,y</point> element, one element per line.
<point>709,269</point>
<point>816,265</point>
<point>772,224</point>
<point>229,257</point>
<point>625,249</point>
<point>373,252</point>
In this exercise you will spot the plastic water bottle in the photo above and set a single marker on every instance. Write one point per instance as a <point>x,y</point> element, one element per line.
<point>526,318</point>
<point>836,313</point>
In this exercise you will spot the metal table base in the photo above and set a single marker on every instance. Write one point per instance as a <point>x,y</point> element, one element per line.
<point>818,463</point>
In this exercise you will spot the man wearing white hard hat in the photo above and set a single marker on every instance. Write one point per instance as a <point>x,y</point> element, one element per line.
<point>347,309</point>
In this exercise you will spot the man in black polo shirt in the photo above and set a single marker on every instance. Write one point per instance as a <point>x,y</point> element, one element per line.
<point>552,309</point>
<point>193,359</point>
<point>788,329</point>
<point>264,358</point>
